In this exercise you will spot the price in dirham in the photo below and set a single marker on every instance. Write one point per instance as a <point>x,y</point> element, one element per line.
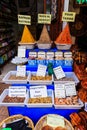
<point>44,18</point>
<point>24,19</point>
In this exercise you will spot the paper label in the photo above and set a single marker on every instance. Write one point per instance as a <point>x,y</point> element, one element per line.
<point>59,73</point>
<point>68,16</point>
<point>58,54</point>
<point>70,88</point>
<point>41,71</point>
<point>24,19</point>
<point>41,54</point>
<point>32,54</point>
<point>44,18</point>
<point>21,70</point>
<point>59,91</point>
<point>21,51</point>
<point>55,121</point>
<point>50,54</point>
<point>38,91</point>
<point>86,106</point>
<point>16,91</point>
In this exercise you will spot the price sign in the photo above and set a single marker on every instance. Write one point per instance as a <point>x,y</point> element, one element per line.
<point>59,73</point>
<point>16,91</point>
<point>32,54</point>
<point>21,51</point>
<point>21,70</point>
<point>68,16</point>
<point>38,91</point>
<point>41,71</point>
<point>59,91</point>
<point>70,88</point>
<point>55,121</point>
<point>24,19</point>
<point>44,18</point>
<point>41,54</point>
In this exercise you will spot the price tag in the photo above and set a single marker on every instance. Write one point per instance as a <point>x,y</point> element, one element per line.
<point>59,73</point>
<point>55,121</point>
<point>33,54</point>
<point>59,91</point>
<point>38,91</point>
<point>21,70</point>
<point>41,54</point>
<point>16,91</point>
<point>58,54</point>
<point>50,55</point>
<point>68,16</point>
<point>70,88</point>
<point>24,19</point>
<point>41,71</point>
<point>21,51</point>
<point>44,18</point>
<point>86,106</point>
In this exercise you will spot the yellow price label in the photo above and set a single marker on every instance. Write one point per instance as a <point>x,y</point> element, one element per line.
<point>24,19</point>
<point>68,16</point>
<point>44,18</point>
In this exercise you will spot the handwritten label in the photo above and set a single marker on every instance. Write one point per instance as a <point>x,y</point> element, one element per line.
<point>33,54</point>
<point>59,73</point>
<point>41,54</point>
<point>16,91</point>
<point>59,91</point>
<point>50,55</point>
<point>55,121</point>
<point>38,91</point>
<point>44,18</point>
<point>41,71</point>
<point>24,19</point>
<point>21,70</point>
<point>58,54</point>
<point>21,51</point>
<point>86,106</point>
<point>70,88</point>
<point>68,16</point>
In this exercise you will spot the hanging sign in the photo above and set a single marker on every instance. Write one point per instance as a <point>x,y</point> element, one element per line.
<point>41,71</point>
<point>24,19</point>
<point>21,70</point>
<point>38,91</point>
<point>59,73</point>
<point>21,51</point>
<point>55,121</point>
<point>16,91</point>
<point>44,18</point>
<point>68,16</point>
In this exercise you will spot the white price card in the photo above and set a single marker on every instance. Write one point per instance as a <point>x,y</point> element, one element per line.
<point>21,51</point>
<point>70,88</point>
<point>17,91</point>
<point>59,91</point>
<point>41,71</point>
<point>21,70</point>
<point>85,106</point>
<point>59,73</point>
<point>38,91</point>
<point>55,121</point>
<point>24,19</point>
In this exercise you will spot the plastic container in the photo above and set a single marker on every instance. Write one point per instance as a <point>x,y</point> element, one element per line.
<point>32,62</point>
<point>28,45</point>
<point>49,94</point>
<point>3,95</point>
<point>68,60</point>
<point>70,106</point>
<point>68,75</point>
<point>44,45</point>
<point>43,82</point>
<point>42,62</point>
<point>49,61</point>
<point>8,81</point>
<point>63,46</point>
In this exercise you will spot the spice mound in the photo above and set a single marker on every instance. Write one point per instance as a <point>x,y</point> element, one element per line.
<point>40,100</point>
<point>13,99</point>
<point>14,77</point>
<point>47,77</point>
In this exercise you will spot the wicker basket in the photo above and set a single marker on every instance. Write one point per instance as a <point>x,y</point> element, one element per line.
<point>43,120</point>
<point>16,117</point>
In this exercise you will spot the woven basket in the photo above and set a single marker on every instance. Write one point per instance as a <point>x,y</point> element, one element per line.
<point>16,117</point>
<point>43,121</point>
